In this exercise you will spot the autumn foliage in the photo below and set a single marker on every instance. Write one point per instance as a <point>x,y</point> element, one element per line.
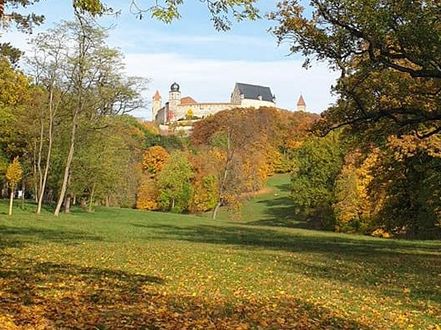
<point>147,195</point>
<point>154,159</point>
<point>384,189</point>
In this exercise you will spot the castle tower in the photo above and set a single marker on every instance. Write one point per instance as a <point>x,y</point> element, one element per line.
<point>156,104</point>
<point>301,105</point>
<point>174,98</point>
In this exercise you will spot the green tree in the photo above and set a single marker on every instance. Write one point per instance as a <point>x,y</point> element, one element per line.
<point>47,66</point>
<point>174,183</point>
<point>317,164</point>
<point>97,87</point>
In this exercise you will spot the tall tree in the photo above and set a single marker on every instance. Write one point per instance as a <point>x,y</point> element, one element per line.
<point>97,86</point>
<point>47,66</point>
<point>388,53</point>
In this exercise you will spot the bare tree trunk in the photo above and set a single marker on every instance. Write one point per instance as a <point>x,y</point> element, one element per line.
<point>23,191</point>
<point>107,201</point>
<point>78,86</point>
<point>222,185</point>
<point>2,8</point>
<point>11,201</point>
<point>43,180</point>
<point>67,167</point>
<point>67,203</point>
<point>39,157</point>
<point>216,209</point>
<point>34,174</point>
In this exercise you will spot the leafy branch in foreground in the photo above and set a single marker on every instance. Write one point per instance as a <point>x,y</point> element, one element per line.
<point>388,53</point>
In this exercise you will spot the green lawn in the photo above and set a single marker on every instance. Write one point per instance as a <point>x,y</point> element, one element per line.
<point>116,269</point>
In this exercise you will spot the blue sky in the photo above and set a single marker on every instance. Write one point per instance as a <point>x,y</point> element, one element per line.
<point>205,62</point>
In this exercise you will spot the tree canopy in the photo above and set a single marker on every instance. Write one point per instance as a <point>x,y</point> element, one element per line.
<point>222,12</point>
<point>389,55</point>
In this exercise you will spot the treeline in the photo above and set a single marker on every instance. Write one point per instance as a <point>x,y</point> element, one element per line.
<point>64,122</point>
<point>387,187</point>
<point>381,171</point>
<point>228,156</point>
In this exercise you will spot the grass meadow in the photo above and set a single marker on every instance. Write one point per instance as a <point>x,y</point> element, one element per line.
<point>129,269</point>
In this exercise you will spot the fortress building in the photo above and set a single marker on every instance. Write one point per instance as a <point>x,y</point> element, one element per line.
<point>182,108</point>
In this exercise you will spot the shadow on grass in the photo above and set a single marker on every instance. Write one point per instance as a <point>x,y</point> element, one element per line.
<point>365,262</point>
<point>280,212</point>
<point>287,240</point>
<point>285,187</point>
<point>66,296</point>
<point>21,236</point>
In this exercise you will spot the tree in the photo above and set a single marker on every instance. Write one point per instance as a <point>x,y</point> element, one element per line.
<point>174,183</point>
<point>154,159</point>
<point>47,65</point>
<point>96,84</point>
<point>148,194</point>
<point>221,11</point>
<point>317,163</point>
<point>388,53</point>
<point>405,189</point>
<point>14,174</point>
<point>16,97</point>
<point>205,194</point>
<point>23,22</point>
<point>353,208</point>
<point>246,146</point>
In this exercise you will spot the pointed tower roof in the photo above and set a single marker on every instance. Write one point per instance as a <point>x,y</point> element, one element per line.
<point>156,97</point>
<point>301,101</point>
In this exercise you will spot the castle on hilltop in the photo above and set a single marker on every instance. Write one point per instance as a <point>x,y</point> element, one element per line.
<point>186,108</point>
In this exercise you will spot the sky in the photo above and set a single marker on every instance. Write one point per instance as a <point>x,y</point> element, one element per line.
<point>206,63</point>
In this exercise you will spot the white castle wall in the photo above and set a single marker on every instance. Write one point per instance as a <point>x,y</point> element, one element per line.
<point>247,103</point>
<point>202,110</point>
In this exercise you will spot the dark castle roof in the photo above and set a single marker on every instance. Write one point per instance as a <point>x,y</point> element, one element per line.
<point>254,91</point>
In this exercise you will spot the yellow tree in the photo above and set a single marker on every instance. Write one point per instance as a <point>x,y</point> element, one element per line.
<point>154,159</point>
<point>14,174</point>
<point>147,195</point>
<point>153,162</point>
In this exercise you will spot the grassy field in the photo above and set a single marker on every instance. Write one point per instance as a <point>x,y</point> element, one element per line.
<point>116,269</point>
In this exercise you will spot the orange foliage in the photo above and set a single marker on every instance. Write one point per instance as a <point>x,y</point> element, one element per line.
<point>154,159</point>
<point>147,194</point>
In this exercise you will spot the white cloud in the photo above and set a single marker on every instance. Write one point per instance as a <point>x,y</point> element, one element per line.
<point>213,80</point>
